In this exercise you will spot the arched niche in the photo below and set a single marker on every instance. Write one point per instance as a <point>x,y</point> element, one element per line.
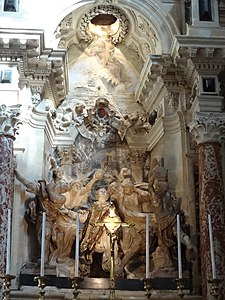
<point>147,21</point>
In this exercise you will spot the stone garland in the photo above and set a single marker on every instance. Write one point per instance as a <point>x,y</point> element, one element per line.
<point>105,9</point>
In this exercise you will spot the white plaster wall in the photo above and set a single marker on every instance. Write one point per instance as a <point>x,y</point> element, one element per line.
<point>19,252</point>
<point>29,153</point>
<point>172,149</point>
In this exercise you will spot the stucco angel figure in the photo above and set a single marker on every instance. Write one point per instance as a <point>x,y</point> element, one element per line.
<point>50,198</point>
<point>60,220</point>
<point>164,206</point>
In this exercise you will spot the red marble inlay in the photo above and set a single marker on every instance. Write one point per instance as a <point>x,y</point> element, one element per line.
<point>211,202</point>
<point>102,113</point>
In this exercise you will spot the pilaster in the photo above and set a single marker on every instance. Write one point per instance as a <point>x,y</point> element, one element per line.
<point>8,127</point>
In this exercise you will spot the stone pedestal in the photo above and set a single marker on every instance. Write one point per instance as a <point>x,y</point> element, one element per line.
<point>208,131</point>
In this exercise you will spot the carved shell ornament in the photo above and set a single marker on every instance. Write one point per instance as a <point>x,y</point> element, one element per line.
<point>105,15</point>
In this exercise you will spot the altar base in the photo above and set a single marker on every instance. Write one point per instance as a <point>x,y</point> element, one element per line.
<point>31,293</point>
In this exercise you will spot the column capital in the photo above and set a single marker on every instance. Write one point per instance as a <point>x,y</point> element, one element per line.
<point>207,127</point>
<point>9,120</point>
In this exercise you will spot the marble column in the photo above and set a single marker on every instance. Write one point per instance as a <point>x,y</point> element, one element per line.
<point>208,131</point>
<point>8,127</point>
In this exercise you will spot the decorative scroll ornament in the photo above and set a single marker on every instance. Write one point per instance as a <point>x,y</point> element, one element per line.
<point>9,120</point>
<point>207,128</point>
<point>105,9</point>
<point>36,90</point>
<point>150,41</point>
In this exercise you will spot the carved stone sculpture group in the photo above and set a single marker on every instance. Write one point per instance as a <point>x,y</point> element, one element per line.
<point>93,198</point>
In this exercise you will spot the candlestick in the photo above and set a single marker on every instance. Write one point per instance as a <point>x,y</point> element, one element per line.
<point>41,285</point>
<point>180,287</point>
<point>75,286</point>
<point>211,248</point>
<point>43,244</point>
<point>8,250</point>
<point>76,273</point>
<point>214,290</point>
<point>6,285</point>
<point>147,247</point>
<point>179,248</point>
<point>148,285</point>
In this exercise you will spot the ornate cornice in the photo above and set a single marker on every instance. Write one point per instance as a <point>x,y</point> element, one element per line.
<point>36,64</point>
<point>155,66</point>
<point>190,58</point>
<point>208,127</point>
<point>199,53</point>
